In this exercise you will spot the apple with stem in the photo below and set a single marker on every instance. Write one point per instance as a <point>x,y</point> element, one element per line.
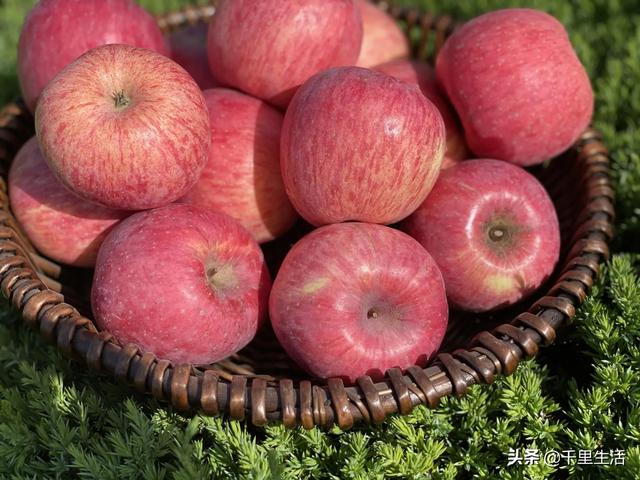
<point>188,285</point>
<point>359,145</point>
<point>382,39</point>
<point>356,299</point>
<point>422,75</point>
<point>268,48</point>
<point>242,177</point>
<point>124,127</point>
<point>493,231</point>
<point>59,224</point>
<point>56,32</point>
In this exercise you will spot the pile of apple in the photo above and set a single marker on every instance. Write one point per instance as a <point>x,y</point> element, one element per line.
<point>310,108</point>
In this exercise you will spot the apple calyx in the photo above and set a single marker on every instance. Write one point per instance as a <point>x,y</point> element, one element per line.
<point>501,233</point>
<point>121,100</point>
<point>380,314</point>
<point>497,233</point>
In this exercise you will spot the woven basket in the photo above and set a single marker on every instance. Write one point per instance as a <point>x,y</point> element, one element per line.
<point>261,382</point>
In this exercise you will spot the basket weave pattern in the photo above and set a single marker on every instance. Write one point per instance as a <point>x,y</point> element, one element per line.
<point>579,184</point>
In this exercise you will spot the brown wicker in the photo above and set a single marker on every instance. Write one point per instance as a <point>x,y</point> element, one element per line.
<point>258,382</point>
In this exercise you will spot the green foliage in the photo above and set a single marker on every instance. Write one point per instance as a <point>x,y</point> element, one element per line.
<point>58,421</point>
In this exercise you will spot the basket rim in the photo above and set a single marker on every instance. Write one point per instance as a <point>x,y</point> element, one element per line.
<point>24,281</point>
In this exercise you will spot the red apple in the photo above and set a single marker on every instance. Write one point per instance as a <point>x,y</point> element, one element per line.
<point>382,38</point>
<point>189,49</point>
<point>268,48</point>
<point>58,223</point>
<point>359,145</point>
<point>188,285</point>
<point>242,178</point>
<point>352,299</point>
<point>493,231</point>
<point>520,90</point>
<point>421,74</point>
<point>56,32</point>
<point>124,127</point>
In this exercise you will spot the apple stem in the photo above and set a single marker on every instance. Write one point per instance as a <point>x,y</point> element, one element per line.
<point>372,314</point>
<point>120,99</point>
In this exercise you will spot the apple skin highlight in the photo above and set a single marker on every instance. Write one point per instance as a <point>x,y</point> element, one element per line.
<point>116,135</point>
<point>360,145</point>
<point>424,76</point>
<point>196,286</point>
<point>493,231</point>
<point>356,299</point>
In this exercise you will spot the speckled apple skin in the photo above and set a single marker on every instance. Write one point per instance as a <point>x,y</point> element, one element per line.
<point>56,32</point>
<point>189,50</point>
<point>268,48</point>
<point>520,90</point>
<point>59,224</point>
<point>150,286</point>
<point>451,224</point>
<point>421,74</point>
<point>242,177</point>
<point>382,38</point>
<point>359,145</point>
<point>333,277</point>
<point>145,155</point>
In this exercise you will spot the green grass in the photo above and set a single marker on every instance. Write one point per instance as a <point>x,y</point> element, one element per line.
<point>58,421</point>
